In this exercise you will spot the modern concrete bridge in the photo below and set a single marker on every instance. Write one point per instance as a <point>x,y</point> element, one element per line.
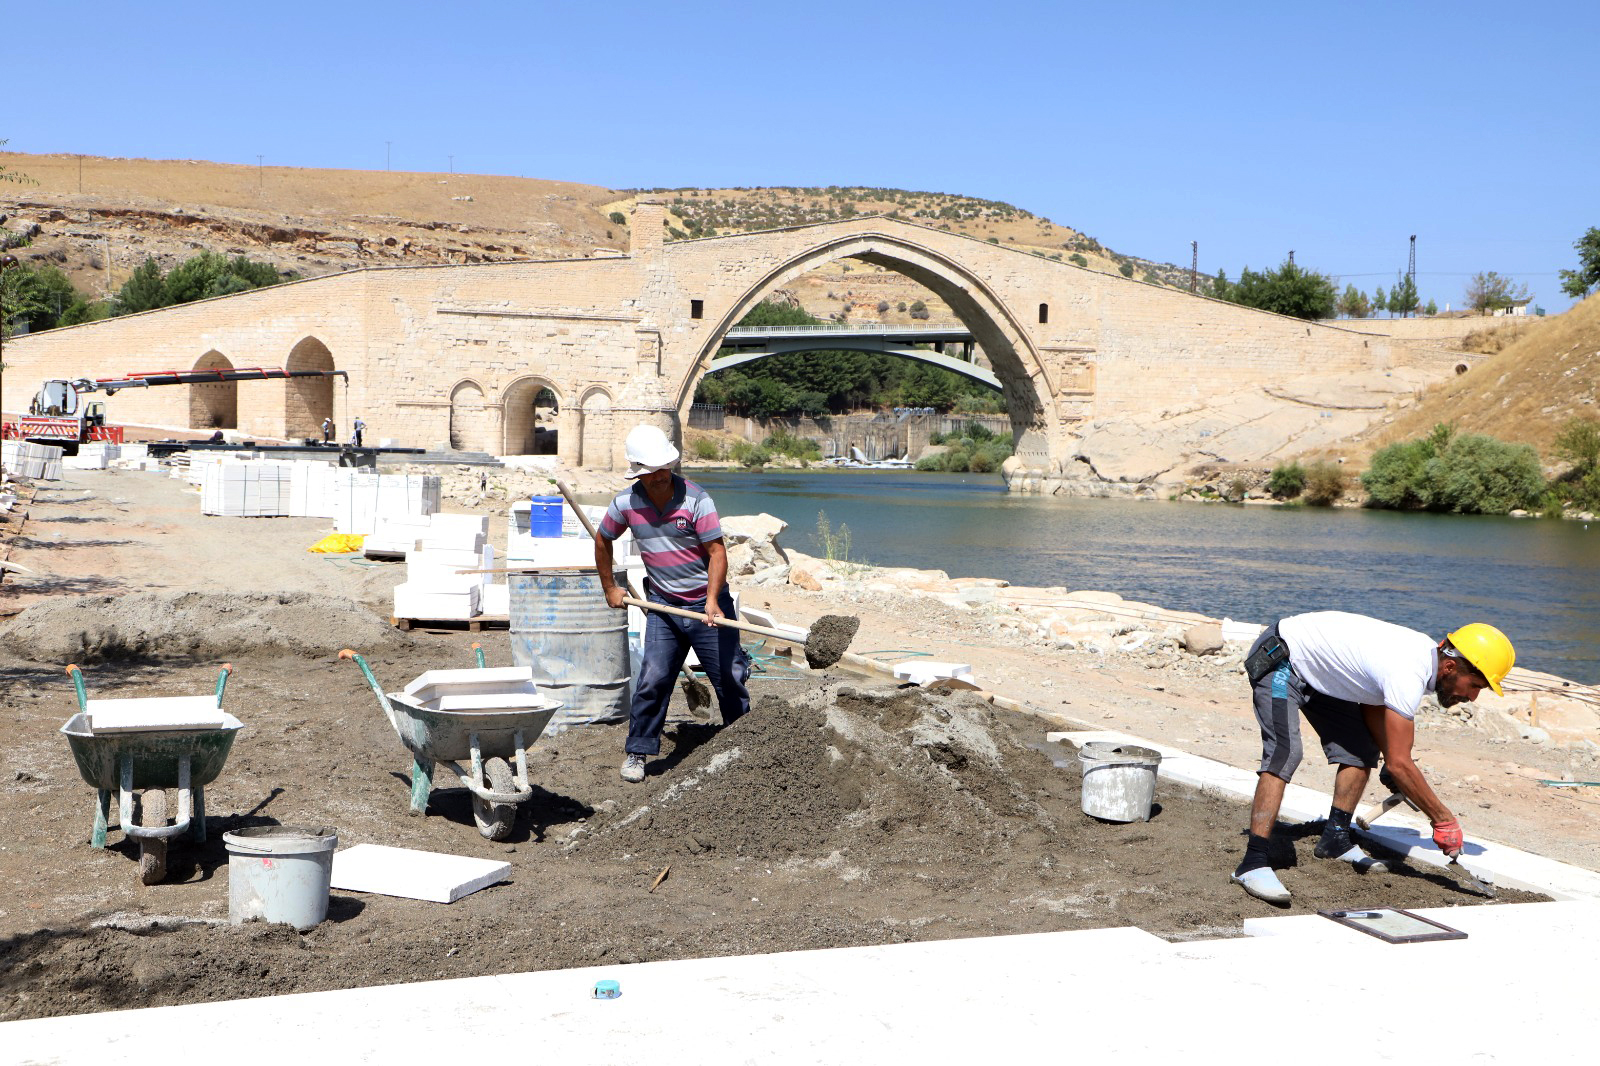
<point>746,344</point>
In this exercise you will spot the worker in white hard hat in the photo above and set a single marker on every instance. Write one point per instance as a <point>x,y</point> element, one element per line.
<point>1359,682</point>
<point>679,534</point>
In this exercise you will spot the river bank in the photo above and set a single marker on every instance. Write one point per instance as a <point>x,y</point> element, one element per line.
<point>844,810</point>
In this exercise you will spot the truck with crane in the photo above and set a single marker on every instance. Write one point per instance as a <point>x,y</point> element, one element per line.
<point>59,414</point>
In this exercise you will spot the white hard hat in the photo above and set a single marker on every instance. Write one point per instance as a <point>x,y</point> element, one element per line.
<point>648,449</point>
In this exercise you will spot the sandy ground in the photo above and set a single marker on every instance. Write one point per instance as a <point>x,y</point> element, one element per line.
<point>842,811</point>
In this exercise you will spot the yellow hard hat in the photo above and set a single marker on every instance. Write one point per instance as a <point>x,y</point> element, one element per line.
<point>1487,649</point>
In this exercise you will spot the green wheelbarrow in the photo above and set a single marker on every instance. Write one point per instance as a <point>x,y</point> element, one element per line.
<point>148,762</point>
<point>482,716</point>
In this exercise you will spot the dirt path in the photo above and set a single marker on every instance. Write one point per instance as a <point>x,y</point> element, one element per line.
<point>842,811</point>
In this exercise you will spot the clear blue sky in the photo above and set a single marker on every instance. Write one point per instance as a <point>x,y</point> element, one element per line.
<point>1336,129</point>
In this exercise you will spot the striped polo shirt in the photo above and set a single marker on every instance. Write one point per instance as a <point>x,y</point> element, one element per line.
<point>671,541</point>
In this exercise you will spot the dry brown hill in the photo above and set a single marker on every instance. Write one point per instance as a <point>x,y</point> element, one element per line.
<point>97,219</point>
<point>1526,392</point>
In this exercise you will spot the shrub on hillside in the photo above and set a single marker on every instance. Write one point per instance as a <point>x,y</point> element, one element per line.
<point>1477,474</point>
<point>706,448</point>
<point>1325,483</point>
<point>1287,481</point>
<point>750,456</point>
<point>618,218</point>
<point>783,442</point>
<point>1467,473</point>
<point>1579,443</point>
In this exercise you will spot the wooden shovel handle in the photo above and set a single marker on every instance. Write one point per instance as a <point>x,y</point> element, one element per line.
<point>646,605</point>
<point>732,623</point>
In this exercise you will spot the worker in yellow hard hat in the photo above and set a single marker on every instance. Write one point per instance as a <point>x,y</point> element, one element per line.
<point>1359,682</point>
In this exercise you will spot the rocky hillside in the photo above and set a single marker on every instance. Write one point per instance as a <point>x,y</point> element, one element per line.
<point>97,219</point>
<point>1547,373</point>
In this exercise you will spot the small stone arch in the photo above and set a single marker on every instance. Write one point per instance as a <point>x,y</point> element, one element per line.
<point>214,405</point>
<point>529,409</point>
<point>595,430</point>
<point>307,401</point>
<point>469,431</point>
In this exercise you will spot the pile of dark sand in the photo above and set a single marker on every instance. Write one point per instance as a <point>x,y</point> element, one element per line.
<point>877,775</point>
<point>157,626</point>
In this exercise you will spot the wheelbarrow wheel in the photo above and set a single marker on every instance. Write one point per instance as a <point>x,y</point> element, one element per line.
<point>495,820</point>
<point>152,853</point>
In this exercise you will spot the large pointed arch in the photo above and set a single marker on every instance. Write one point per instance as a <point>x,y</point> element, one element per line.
<point>1017,364</point>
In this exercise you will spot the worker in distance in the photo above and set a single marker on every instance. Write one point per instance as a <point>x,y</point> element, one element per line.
<point>679,534</point>
<point>1359,682</point>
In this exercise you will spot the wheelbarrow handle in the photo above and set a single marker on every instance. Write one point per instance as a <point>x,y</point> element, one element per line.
<point>222,681</point>
<point>477,649</point>
<point>74,672</point>
<point>383,699</point>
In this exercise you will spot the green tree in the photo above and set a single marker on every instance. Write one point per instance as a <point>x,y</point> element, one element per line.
<point>1489,291</point>
<point>1353,303</point>
<point>618,218</point>
<point>1431,310</point>
<point>1403,297</point>
<point>1126,269</point>
<point>1380,302</point>
<point>143,291</point>
<point>1577,283</point>
<point>1289,290</point>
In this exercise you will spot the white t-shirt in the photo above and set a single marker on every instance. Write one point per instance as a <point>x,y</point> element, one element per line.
<point>1362,660</point>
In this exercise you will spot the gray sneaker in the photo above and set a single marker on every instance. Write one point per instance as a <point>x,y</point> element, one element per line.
<point>633,768</point>
<point>1263,884</point>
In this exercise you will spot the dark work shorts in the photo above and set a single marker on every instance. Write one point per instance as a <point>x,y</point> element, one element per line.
<point>1281,697</point>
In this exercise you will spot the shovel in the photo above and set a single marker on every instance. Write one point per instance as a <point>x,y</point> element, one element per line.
<point>826,641</point>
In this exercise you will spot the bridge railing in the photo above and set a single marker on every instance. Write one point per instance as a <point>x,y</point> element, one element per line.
<point>847,327</point>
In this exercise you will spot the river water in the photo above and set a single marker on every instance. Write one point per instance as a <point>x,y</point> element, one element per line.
<point>1537,580</point>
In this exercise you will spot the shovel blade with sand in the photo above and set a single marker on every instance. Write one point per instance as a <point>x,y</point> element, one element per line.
<point>826,641</point>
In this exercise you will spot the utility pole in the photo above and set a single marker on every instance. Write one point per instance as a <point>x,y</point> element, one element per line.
<point>1411,269</point>
<point>1194,266</point>
<point>259,178</point>
<point>80,171</point>
<point>452,164</point>
<point>386,145</point>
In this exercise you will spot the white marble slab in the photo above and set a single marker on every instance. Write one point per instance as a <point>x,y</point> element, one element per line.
<point>425,875</point>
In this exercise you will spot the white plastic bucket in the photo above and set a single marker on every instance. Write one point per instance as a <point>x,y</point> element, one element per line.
<point>1119,781</point>
<point>280,873</point>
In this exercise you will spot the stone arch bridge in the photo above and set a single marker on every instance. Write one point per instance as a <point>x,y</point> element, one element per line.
<point>460,354</point>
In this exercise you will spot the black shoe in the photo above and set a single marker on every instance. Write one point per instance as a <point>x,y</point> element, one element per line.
<point>1343,847</point>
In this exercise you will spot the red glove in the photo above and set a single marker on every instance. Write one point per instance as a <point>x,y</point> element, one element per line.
<point>1448,836</point>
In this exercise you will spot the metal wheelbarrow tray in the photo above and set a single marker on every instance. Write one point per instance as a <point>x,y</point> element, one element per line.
<point>150,762</point>
<point>486,739</point>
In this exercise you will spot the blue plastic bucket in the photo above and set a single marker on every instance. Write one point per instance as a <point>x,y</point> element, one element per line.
<point>544,516</point>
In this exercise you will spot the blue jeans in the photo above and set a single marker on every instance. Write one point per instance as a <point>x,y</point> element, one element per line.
<point>667,640</point>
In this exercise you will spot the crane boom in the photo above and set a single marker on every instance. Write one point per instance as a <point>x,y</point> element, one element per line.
<point>146,379</point>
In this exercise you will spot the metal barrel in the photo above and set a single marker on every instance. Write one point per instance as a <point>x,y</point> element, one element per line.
<point>576,644</point>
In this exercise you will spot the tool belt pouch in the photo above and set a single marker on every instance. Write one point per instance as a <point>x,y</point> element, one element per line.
<point>1272,654</point>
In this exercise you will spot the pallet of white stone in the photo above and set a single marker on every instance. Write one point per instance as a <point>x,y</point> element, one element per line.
<point>476,624</point>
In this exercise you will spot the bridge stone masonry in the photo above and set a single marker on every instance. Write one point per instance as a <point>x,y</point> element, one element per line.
<point>460,354</point>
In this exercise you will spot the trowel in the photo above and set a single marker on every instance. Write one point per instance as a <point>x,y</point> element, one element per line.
<point>1467,880</point>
